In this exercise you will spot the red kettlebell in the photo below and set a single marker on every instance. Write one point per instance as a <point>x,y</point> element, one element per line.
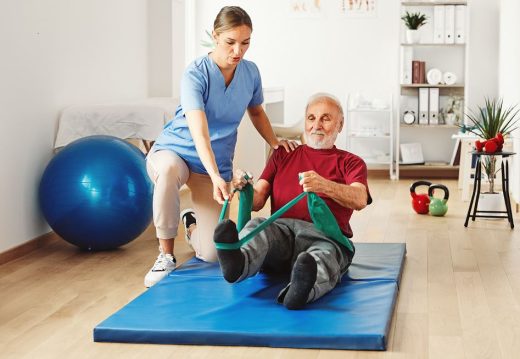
<point>420,202</point>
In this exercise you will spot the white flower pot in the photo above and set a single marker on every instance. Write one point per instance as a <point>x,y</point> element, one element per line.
<point>491,202</point>
<point>451,119</point>
<point>413,36</point>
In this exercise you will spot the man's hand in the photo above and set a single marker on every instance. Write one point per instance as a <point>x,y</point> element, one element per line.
<point>239,179</point>
<point>288,145</point>
<point>313,182</point>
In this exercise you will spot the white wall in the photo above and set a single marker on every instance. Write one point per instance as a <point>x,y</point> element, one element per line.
<point>160,77</point>
<point>341,55</point>
<point>57,53</point>
<point>305,55</point>
<point>509,75</point>
<point>165,47</point>
<point>482,51</point>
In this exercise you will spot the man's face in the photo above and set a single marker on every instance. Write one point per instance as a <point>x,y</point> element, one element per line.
<point>323,122</point>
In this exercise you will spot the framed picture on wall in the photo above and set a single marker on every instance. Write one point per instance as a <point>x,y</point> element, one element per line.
<point>358,8</point>
<point>305,8</point>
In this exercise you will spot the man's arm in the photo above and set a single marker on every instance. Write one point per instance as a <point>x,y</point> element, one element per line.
<point>349,196</point>
<point>262,191</point>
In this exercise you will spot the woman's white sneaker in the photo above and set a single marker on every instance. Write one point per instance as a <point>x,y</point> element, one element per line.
<point>164,264</point>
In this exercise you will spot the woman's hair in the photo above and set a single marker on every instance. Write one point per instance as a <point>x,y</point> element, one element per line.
<point>230,17</point>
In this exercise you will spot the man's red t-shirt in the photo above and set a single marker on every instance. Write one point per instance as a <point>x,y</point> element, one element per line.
<point>333,164</point>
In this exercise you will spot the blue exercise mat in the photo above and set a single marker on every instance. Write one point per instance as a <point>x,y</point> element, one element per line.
<point>195,305</point>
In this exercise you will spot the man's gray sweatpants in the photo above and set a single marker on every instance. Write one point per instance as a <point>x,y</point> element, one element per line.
<point>278,245</point>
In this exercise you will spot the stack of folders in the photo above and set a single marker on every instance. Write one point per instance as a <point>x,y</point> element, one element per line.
<point>429,106</point>
<point>449,24</point>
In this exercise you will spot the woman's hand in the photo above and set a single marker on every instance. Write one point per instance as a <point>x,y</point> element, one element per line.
<point>288,145</point>
<point>220,191</point>
<point>239,179</point>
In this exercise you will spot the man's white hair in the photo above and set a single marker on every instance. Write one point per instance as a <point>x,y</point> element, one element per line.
<point>327,141</point>
<point>325,96</point>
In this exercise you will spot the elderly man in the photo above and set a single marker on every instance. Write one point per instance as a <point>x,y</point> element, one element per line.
<point>292,241</point>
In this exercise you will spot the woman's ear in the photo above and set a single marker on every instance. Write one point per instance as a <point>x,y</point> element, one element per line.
<point>215,37</point>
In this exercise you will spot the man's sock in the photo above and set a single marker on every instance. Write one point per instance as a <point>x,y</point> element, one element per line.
<point>231,260</point>
<point>303,277</point>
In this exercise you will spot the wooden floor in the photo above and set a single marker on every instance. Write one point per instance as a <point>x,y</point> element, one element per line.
<point>459,297</point>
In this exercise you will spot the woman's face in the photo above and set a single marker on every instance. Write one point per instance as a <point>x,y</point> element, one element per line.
<point>232,44</point>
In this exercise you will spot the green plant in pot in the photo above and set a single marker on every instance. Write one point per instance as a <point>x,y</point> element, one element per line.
<point>492,122</point>
<point>413,21</point>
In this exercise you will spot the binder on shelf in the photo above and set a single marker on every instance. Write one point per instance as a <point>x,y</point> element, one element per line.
<point>423,105</point>
<point>406,65</point>
<point>460,24</point>
<point>449,24</point>
<point>433,109</point>
<point>438,24</point>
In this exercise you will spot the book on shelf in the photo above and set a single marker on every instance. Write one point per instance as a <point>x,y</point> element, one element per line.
<point>415,72</point>
<point>418,72</point>
<point>422,72</point>
<point>455,156</point>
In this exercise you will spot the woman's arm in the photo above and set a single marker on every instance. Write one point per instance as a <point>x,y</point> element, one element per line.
<point>198,125</point>
<point>263,126</point>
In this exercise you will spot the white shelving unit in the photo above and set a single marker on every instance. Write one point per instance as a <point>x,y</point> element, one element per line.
<point>370,132</point>
<point>436,139</point>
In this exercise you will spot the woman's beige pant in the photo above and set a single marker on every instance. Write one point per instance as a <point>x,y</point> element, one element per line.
<point>169,172</point>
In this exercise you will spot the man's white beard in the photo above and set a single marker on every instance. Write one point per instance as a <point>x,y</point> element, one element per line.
<point>323,144</point>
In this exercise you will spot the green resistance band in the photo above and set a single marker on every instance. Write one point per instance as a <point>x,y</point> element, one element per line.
<point>320,213</point>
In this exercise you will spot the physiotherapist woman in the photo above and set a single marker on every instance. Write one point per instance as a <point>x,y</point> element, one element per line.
<point>197,147</point>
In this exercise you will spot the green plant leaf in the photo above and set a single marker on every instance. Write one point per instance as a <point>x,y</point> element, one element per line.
<point>493,118</point>
<point>413,21</point>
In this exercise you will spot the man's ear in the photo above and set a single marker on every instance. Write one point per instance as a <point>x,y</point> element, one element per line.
<point>341,124</point>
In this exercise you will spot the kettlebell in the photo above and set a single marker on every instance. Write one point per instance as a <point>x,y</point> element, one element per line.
<point>420,202</point>
<point>438,207</point>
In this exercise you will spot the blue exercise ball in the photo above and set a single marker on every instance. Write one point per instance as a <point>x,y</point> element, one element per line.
<point>96,194</point>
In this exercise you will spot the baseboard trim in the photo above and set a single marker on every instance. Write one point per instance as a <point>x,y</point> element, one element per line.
<point>27,247</point>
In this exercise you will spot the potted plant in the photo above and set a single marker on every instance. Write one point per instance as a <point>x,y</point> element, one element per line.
<point>490,200</point>
<point>413,21</point>
<point>492,122</point>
